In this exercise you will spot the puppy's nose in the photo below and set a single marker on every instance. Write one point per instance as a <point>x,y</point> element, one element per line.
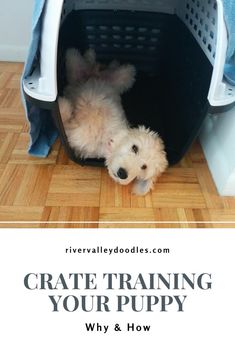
<point>122,173</point>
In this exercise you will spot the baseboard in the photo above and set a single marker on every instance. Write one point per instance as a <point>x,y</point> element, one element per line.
<point>13,53</point>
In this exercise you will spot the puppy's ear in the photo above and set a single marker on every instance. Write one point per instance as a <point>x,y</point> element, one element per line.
<point>158,162</point>
<point>142,187</point>
<point>121,77</point>
<point>156,146</point>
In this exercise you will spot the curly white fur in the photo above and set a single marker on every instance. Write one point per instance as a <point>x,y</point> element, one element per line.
<point>96,126</point>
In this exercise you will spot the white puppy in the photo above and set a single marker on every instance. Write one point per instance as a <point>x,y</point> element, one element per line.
<point>96,126</point>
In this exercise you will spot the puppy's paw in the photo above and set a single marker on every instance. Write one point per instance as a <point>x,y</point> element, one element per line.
<point>113,65</point>
<point>142,187</point>
<point>122,77</point>
<point>66,109</point>
<point>90,56</point>
<point>76,66</point>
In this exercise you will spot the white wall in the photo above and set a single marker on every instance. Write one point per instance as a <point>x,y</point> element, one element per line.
<point>218,143</point>
<point>15,23</point>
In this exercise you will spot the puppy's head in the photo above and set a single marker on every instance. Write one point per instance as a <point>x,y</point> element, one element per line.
<point>136,154</point>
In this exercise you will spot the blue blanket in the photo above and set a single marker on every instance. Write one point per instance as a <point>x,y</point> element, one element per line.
<point>42,129</point>
<point>43,132</point>
<point>229,15</point>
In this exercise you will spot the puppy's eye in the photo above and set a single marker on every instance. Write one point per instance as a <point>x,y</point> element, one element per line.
<point>135,149</point>
<point>144,166</point>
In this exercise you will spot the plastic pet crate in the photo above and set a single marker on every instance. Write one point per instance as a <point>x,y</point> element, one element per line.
<point>177,46</point>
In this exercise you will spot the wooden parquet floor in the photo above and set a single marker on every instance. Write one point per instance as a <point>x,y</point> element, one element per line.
<point>55,192</point>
